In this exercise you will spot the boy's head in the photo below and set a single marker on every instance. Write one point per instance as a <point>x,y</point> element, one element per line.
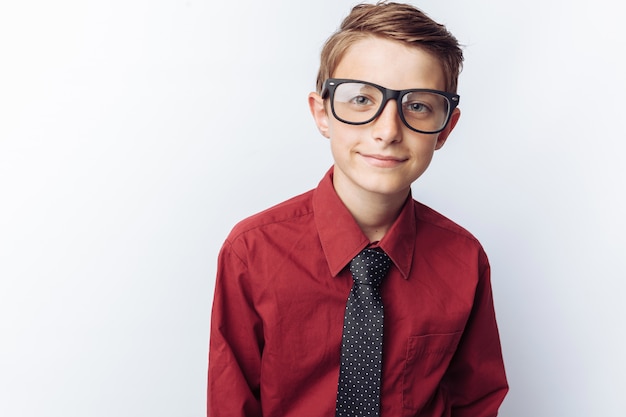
<point>394,21</point>
<point>386,99</point>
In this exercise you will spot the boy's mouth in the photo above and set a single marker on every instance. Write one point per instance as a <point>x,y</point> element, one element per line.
<point>383,161</point>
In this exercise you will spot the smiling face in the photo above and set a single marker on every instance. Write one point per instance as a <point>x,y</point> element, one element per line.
<point>383,157</point>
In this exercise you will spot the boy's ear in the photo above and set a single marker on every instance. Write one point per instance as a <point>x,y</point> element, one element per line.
<point>318,110</point>
<point>443,135</point>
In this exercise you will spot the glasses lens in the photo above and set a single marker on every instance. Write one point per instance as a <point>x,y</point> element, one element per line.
<point>356,102</point>
<point>424,111</point>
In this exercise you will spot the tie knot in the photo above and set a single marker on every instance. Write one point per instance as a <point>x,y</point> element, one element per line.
<point>369,267</point>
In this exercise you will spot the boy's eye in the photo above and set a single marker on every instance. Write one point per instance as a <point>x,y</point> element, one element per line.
<point>361,101</point>
<point>416,107</point>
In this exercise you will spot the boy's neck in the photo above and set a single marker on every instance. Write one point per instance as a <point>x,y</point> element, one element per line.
<point>374,213</point>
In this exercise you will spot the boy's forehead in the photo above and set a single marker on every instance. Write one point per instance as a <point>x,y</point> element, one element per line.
<point>392,64</point>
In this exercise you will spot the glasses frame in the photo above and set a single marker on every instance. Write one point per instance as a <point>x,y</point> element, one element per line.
<point>330,85</point>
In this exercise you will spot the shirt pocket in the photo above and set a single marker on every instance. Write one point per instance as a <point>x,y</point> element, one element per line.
<point>427,358</point>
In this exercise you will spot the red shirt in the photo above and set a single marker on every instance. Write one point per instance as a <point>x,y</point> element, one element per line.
<point>280,297</point>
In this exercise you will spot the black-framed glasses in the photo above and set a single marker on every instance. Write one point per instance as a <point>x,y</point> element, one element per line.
<point>358,102</point>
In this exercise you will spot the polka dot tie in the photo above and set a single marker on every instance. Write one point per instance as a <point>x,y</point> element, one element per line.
<point>358,392</point>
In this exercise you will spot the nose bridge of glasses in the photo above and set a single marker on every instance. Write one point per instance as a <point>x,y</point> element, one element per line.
<point>386,113</point>
<point>391,95</point>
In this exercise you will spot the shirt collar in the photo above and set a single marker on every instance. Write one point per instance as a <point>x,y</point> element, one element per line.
<point>342,239</point>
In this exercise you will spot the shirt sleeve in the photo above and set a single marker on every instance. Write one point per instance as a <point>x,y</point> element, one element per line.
<point>476,379</point>
<point>235,342</point>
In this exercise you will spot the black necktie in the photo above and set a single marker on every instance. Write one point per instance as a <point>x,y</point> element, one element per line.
<point>358,392</point>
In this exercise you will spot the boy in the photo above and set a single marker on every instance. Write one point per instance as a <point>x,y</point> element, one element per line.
<point>310,292</point>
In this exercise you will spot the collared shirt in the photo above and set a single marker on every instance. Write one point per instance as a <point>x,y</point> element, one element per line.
<point>280,296</point>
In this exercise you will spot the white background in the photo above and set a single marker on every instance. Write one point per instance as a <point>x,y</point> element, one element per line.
<point>135,133</point>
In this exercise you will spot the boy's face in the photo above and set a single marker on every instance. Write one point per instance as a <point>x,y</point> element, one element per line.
<point>382,157</point>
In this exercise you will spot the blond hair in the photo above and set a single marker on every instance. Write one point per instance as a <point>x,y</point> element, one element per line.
<point>395,21</point>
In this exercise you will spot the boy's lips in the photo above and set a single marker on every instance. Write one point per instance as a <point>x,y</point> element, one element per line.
<point>383,161</point>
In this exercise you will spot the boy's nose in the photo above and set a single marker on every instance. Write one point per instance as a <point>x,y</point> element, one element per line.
<point>387,126</point>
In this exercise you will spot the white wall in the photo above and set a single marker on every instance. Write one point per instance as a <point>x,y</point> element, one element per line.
<point>135,133</point>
